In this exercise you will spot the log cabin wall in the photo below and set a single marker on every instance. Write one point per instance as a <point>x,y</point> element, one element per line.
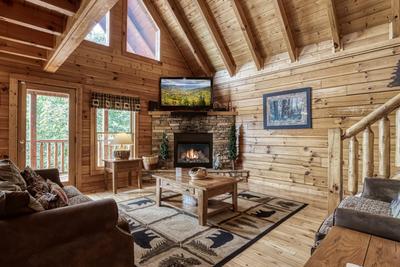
<point>346,86</point>
<point>105,68</point>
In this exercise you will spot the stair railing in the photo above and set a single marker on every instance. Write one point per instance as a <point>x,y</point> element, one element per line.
<point>336,137</point>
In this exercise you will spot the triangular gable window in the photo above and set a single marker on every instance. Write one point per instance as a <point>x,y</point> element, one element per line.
<point>100,34</point>
<point>142,33</point>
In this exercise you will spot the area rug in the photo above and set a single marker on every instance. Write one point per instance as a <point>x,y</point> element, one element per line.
<point>168,237</point>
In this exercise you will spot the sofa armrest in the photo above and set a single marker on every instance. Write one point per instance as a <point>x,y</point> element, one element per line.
<point>381,189</point>
<point>35,232</point>
<point>51,174</point>
<point>379,225</point>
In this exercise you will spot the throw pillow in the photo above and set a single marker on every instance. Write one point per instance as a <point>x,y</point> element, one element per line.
<point>9,174</point>
<point>14,203</point>
<point>37,186</point>
<point>57,190</point>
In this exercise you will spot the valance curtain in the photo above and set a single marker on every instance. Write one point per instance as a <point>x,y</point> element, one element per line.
<point>107,101</point>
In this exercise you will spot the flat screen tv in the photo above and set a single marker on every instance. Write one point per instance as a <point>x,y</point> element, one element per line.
<point>185,93</point>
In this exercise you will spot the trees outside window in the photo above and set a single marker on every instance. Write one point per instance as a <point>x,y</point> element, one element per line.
<point>100,34</point>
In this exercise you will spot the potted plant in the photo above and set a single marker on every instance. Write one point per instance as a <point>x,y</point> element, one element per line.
<point>232,146</point>
<point>164,153</point>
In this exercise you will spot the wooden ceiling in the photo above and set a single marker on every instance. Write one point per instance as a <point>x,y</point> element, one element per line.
<point>47,30</point>
<point>212,35</point>
<point>226,34</point>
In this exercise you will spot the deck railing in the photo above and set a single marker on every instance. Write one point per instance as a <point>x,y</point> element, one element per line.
<point>336,139</point>
<point>48,154</point>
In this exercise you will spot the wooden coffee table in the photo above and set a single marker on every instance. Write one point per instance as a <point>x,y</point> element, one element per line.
<point>202,190</point>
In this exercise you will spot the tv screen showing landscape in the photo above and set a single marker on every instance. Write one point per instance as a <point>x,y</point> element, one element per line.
<point>189,92</point>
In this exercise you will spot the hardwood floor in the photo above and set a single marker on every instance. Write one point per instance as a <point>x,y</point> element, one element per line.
<point>287,245</point>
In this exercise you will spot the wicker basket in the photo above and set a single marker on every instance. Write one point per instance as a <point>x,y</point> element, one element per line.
<point>150,162</point>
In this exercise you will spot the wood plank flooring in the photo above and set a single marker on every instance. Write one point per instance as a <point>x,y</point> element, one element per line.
<point>287,245</point>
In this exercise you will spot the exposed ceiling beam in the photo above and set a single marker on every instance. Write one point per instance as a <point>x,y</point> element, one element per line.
<point>216,36</point>
<point>190,39</point>
<point>31,17</point>
<point>21,50</point>
<point>286,29</point>
<point>248,34</point>
<point>26,36</point>
<point>334,25</point>
<point>67,8</point>
<point>78,26</point>
<point>394,30</point>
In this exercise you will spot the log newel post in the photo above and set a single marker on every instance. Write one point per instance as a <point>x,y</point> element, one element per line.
<point>335,168</point>
<point>353,166</point>
<point>384,147</point>
<point>368,153</point>
<point>397,152</point>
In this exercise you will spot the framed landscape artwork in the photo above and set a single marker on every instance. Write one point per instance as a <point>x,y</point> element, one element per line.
<point>287,109</point>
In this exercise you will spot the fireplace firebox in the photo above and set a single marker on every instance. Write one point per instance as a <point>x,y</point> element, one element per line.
<point>193,150</point>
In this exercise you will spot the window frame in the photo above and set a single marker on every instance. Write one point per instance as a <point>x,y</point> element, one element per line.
<point>125,33</point>
<point>94,168</point>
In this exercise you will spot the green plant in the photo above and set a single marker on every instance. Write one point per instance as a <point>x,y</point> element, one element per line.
<point>232,147</point>
<point>164,147</point>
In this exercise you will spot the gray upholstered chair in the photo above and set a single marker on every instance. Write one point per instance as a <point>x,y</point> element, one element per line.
<point>369,213</point>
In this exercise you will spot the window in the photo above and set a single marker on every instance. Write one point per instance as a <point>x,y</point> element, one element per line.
<point>100,34</point>
<point>142,33</point>
<point>110,122</point>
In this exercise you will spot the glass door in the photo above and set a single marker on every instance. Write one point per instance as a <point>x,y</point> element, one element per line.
<point>47,130</point>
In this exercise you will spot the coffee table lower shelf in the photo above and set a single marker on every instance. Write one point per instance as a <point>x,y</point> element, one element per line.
<point>214,206</point>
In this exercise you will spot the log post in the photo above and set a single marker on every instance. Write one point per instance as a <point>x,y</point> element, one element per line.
<point>353,166</point>
<point>368,153</point>
<point>335,168</point>
<point>384,147</point>
<point>397,151</point>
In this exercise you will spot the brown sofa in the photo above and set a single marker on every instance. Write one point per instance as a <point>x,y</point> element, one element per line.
<point>85,233</point>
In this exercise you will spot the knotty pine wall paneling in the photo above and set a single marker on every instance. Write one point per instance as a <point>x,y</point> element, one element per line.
<point>101,68</point>
<point>345,88</point>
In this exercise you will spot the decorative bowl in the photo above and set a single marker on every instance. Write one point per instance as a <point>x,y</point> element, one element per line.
<point>198,173</point>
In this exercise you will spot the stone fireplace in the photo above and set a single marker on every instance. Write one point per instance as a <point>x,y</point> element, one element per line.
<point>196,138</point>
<point>193,150</point>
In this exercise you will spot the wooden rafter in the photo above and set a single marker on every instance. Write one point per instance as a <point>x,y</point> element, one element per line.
<point>190,39</point>
<point>394,30</point>
<point>248,34</point>
<point>78,26</point>
<point>22,50</point>
<point>286,29</point>
<point>31,17</point>
<point>334,25</point>
<point>67,8</point>
<point>216,36</point>
<point>26,36</point>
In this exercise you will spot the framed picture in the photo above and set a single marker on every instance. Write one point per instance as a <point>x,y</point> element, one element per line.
<point>288,109</point>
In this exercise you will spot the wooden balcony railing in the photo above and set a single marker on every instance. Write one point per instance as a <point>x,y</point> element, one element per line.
<point>49,154</point>
<point>336,139</point>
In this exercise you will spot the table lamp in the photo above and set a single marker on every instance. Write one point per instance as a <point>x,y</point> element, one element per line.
<point>121,140</point>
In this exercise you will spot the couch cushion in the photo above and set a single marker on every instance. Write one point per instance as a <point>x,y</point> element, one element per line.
<point>366,205</point>
<point>79,199</point>
<point>9,176</point>
<point>71,191</point>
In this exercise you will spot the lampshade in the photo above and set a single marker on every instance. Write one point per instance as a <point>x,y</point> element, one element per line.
<point>122,139</point>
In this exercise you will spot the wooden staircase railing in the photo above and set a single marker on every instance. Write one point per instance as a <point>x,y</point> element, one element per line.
<point>336,139</point>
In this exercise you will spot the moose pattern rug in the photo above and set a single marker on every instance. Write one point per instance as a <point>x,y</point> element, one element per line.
<point>167,236</point>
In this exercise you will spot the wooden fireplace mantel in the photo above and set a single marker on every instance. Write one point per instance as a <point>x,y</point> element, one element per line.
<point>208,113</point>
